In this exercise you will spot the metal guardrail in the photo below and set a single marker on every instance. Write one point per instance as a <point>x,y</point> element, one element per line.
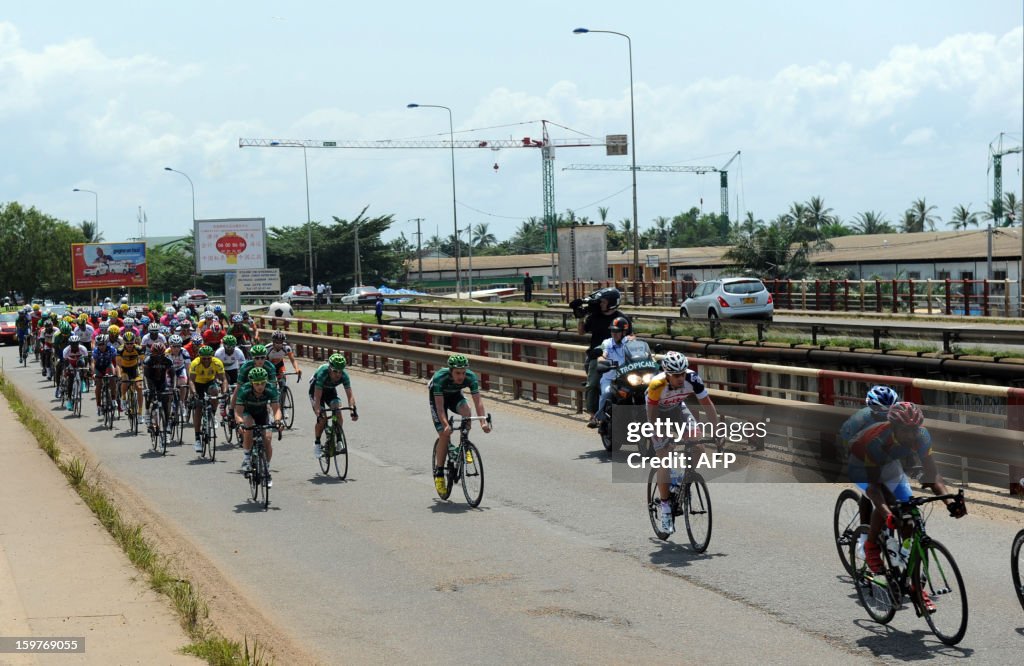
<point>561,385</point>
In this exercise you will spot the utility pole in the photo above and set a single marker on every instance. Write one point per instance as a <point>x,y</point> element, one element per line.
<point>419,245</point>
<point>358,272</point>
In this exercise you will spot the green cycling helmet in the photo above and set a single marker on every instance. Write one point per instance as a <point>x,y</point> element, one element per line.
<point>229,341</point>
<point>206,350</point>
<point>458,361</point>
<point>258,375</point>
<point>258,350</point>
<point>336,361</point>
<point>64,327</point>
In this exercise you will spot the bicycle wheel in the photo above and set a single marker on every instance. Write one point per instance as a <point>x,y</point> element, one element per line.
<point>654,505</point>
<point>877,592</point>
<point>264,479</point>
<point>845,520</point>
<point>327,450</point>
<point>340,453</point>
<point>287,408</point>
<point>133,411</point>
<point>110,404</point>
<point>472,472</point>
<point>254,474</point>
<point>938,575</point>
<point>154,425</point>
<point>76,396</point>
<point>448,476</point>
<point>1017,565</point>
<point>696,503</point>
<point>211,435</point>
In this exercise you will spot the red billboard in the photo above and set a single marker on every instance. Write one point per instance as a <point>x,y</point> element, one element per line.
<point>108,265</point>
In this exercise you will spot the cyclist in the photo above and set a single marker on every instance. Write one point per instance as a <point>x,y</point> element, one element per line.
<point>221,316</point>
<point>323,389</point>
<point>876,408</point>
<point>231,356</point>
<point>193,345</point>
<point>152,337</point>
<point>213,335</point>
<point>666,399</point>
<point>180,361</point>
<point>258,360</point>
<point>445,392</point>
<point>202,374</point>
<point>278,351</point>
<point>252,409</point>
<point>75,356</point>
<point>114,331</point>
<point>128,355</point>
<point>103,359</point>
<point>59,343</point>
<point>21,324</point>
<point>874,465</point>
<point>242,333</point>
<point>156,368</point>
<point>45,344</point>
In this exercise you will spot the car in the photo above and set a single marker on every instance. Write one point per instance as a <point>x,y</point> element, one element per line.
<point>298,293</point>
<point>8,332</point>
<point>195,299</point>
<point>360,296</point>
<point>96,271</point>
<point>729,298</point>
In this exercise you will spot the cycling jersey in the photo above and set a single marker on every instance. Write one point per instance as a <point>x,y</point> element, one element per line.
<point>277,356</point>
<point>74,356</point>
<point>876,445</point>
<point>443,384</point>
<point>232,361</point>
<point>213,338</point>
<point>103,358</point>
<point>242,332</point>
<point>85,333</point>
<point>321,379</point>
<point>156,370</point>
<point>253,402</point>
<point>148,341</point>
<point>863,418</point>
<point>204,374</point>
<point>661,393</point>
<point>128,358</point>
<point>180,361</point>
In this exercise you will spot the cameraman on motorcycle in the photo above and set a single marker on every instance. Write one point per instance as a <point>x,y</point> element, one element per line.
<point>613,350</point>
<point>594,315</point>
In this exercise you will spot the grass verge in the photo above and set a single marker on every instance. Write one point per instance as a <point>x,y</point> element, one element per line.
<point>192,610</point>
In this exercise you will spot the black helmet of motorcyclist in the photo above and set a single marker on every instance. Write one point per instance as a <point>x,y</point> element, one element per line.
<point>620,325</point>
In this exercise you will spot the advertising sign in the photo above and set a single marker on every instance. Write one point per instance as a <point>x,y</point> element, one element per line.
<point>259,281</point>
<point>108,265</point>
<point>224,246</point>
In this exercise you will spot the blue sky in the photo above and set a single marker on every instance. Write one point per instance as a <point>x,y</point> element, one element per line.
<point>869,105</point>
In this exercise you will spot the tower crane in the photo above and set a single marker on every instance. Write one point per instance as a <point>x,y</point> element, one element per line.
<point>996,150</point>
<point>546,144</point>
<point>723,170</point>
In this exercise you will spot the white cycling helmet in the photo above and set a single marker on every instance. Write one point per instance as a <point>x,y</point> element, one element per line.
<point>674,363</point>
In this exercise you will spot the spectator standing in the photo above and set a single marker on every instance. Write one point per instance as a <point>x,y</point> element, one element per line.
<point>319,293</point>
<point>328,292</point>
<point>528,288</point>
<point>379,310</point>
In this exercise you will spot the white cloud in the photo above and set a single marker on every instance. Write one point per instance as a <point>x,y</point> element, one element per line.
<point>919,136</point>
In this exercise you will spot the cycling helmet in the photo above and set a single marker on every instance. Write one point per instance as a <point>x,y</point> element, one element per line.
<point>881,398</point>
<point>905,414</point>
<point>674,363</point>
<point>102,339</point>
<point>129,322</point>
<point>236,319</point>
<point>229,341</point>
<point>103,314</point>
<point>258,376</point>
<point>114,329</point>
<point>206,350</point>
<point>175,340</point>
<point>258,350</point>
<point>169,310</point>
<point>217,309</point>
<point>64,327</point>
<point>157,349</point>
<point>207,315</point>
<point>180,316</point>
<point>124,300</point>
<point>165,330</point>
<point>48,323</point>
<point>279,336</point>
<point>104,325</point>
<point>336,361</point>
<point>458,361</point>
<point>621,324</point>
<point>215,328</point>
<point>197,339</point>
<point>144,321</point>
<point>74,339</point>
<point>35,306</point>
<point>83,318</point>
<point>129,338</point>
<point>154,327</point>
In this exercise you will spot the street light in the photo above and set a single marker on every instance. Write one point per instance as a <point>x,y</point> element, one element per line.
<point>455,216</point>
<point>195,278</point>
<point>96,221</point>
<point>469,240</point>
<point>309,224</point>
<point>632,139</point>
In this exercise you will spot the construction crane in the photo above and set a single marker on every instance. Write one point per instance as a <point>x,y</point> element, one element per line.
<point>546,145</point>
<point>996,150</point>
<point>723,170</point>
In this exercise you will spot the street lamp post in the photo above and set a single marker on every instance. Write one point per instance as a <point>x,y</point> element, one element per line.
<point>96,220</point>
<point>191,185</point>
<point>455,215</point>
<point>309,224</point>
<point>632,139</point>
<point>469,240</point>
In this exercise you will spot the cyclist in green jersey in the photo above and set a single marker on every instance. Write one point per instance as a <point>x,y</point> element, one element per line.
<point>323,389</point>
<point>445,389</point>
<point>257,401</point>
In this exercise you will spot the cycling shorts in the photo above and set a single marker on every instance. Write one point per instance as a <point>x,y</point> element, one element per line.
<point>891,476</point>
<point>452,403</point>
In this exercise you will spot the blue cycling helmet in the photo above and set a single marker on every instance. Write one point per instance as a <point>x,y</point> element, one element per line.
<point>881,398</point>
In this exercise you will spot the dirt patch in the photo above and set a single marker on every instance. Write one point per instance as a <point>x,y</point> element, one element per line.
<point>572,614</point>
<point>457,584</point>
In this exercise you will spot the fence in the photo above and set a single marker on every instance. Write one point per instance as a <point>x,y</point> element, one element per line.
<point>966,420</point>
<point>986,298</point>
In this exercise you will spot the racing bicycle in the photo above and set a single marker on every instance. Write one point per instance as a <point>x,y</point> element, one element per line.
<point>464,463</point>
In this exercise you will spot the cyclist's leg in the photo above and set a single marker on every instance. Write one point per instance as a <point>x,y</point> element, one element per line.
<point>247,434</point>
<point>200,404</point>
<point>263,419</point>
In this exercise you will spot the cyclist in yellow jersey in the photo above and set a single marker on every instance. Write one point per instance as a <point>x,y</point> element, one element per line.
<point>204,374</point>
<point>128,356</point>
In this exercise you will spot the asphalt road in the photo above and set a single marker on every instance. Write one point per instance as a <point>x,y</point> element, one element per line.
<point>558,565</point>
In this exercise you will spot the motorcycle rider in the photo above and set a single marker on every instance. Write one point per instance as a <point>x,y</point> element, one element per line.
<point>595,315</point>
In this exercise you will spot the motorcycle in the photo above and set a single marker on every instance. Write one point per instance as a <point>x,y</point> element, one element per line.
<point>629,384</point>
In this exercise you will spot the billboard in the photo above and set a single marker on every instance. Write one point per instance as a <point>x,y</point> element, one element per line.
<point>108,265</point>
<point>223,246</point>
<point>259,281</point>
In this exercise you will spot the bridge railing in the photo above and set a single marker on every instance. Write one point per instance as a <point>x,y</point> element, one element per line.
<point>552,372</point>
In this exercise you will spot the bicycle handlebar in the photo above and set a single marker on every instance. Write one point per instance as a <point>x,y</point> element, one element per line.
<point>918,501</point>
<point>465,420</point>
<point>260,428</point>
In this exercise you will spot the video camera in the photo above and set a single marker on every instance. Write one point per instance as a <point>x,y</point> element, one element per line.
<point>590,304</point>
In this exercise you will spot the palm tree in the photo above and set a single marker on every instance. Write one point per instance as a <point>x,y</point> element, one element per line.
<point>662,230</point>
<point>816,214</point>
<point>835,228</point>
<point>89,231</point>
<point>602,212</point>
<point>1010,211</point>
<point>963,217</point>
<point>919,217</point>
<point>482,237</point>
<point>871,222</point>
<point>626,229</point>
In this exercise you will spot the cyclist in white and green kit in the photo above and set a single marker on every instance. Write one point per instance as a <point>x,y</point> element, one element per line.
<point>445,389</point>
<point>323,389</point>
